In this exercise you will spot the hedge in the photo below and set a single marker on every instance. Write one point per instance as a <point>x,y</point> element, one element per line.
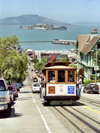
<point>92,77</point>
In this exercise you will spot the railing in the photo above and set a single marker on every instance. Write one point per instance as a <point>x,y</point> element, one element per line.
<point>32,41</point>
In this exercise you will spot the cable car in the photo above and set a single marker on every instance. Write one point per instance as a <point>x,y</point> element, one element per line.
<point>60,83</point>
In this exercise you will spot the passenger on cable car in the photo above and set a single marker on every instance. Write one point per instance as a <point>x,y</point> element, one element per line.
<point>53,79</point>
<point>79,82</point>
<point>70,80</point>
<point>42,84</point>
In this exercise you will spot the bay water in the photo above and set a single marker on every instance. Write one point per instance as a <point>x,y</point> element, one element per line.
<point>46,35</point>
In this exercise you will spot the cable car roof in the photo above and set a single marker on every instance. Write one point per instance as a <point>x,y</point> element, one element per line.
<point>58,65</point>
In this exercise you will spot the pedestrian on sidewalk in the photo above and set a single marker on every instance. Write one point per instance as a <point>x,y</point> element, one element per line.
<point>79,82</point>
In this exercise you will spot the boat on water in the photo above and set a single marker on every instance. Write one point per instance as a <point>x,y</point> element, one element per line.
<point>64,42</point>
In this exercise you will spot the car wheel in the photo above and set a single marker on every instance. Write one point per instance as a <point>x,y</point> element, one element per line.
<point>18,89</point>
<point>10,101</point>
<point>13,97</point>
<point>7,112</point>
<point>48,102</point>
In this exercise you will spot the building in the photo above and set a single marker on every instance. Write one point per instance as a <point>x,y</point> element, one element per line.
<point>52,58</point>
<point>86,47</point>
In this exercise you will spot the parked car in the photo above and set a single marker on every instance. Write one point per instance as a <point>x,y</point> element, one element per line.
<point>17,85</point>
<point>21,83</point>
<point>38,74</point>
<point>35,80</point>
<point>15,90</point>
<point>91,88</point>
<point>11,93</point>
<point>5,103</point>
<point>36,87</point>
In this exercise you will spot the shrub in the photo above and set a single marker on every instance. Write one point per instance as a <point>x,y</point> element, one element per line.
<point>86,81</point>
<point>72,65</point>
<point>93,81</point>
<point>92,77</point>
<point>35,60</point>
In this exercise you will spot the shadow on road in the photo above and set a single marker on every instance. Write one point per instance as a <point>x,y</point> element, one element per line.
<point>13,114</point>
<point>24,92</point>
<point>24,98</point>
<point>74,103</point>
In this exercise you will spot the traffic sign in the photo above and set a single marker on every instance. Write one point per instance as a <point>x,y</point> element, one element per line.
<point>71,89</point>
<point>96,68</point>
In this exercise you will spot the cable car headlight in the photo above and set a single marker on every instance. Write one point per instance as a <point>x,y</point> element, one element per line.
<point>51,90</point>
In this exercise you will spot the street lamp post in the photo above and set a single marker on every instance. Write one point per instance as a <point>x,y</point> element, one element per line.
<point>96,67</point>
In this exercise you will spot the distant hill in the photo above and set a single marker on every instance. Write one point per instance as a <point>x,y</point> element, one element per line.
<point>30,20</point>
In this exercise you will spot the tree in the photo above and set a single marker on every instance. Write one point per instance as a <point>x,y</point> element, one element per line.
<point>81,72</point>
<point>44,60</point>
<point>35,60</point>
<point>98,58</point>
<point>38,66</point>
<point>72,65</point>
<point>65,59</point>
<point>12,63</point>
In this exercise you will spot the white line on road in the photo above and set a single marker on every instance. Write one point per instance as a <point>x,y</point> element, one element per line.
<point>40,114</point>
<point>43,120</point>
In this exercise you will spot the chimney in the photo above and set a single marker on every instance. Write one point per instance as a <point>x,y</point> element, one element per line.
<point>94,33</point>
<point>34,54</point>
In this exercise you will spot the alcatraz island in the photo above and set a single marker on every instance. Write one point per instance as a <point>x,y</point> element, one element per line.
<point>43,27</point>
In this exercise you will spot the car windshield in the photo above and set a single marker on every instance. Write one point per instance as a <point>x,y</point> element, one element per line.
<point>36,85</point>
<point>2,86</point>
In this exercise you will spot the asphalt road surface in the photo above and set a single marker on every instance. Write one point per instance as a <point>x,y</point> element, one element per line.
<point>29,115</point>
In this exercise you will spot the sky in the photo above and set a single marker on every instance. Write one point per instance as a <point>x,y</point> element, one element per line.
<point>69,11</point>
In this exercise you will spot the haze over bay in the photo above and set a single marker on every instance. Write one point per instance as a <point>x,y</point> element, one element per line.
<point>40,35</point>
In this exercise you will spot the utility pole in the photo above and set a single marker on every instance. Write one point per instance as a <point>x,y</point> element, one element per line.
<point>96,66</point>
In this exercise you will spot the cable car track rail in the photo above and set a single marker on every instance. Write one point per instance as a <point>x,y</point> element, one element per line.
<point>85,115</point>
<point>80,121</point>
<point>96,103</point>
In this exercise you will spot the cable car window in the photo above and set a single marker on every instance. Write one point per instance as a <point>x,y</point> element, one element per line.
<point>70,76</point>
<point>51,76</point>
<point>61,76</point>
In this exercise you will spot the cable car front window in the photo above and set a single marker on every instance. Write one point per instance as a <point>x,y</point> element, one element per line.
<point>70,76</point>
<point>61,75</point>
<point>51,76</point>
